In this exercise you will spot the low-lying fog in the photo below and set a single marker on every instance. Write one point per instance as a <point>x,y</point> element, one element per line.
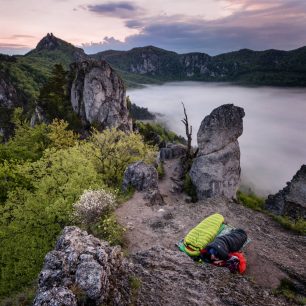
<point>273,143</point>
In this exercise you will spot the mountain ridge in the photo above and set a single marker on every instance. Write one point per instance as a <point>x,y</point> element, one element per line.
<point>150,64</point>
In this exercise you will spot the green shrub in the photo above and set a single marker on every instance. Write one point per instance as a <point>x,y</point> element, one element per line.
<point>189,188</point>
<point>257,203</point>
<point>161,170</point>
<point>150,130</point>
<point>298,225</point>
<point>250,200</point>
<point>30,220</point>
<point>114,150</point>
<point>108,229</point>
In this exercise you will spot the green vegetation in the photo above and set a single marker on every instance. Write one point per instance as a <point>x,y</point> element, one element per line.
<point>113,150</point>
<point>54,98</point>
<point>250,200</point>
<point>108,229</point>
<point>161,170</point>
<point>137,112</point>
<point>289,291</point>
<point>298,225</point>
<point>22,298</point>
<point>270,67</point>
<point>135,284</point>
<point>257,203</point>
<point>155,133</point>
<point>189,188</point>
<point>44,170</point>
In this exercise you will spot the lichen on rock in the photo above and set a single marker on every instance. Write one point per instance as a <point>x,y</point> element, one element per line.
<point>216,170</point>
<point>98,95</point>
<point>82,266</point>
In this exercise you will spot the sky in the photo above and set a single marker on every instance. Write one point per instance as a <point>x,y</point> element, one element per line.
<point>210,26</point>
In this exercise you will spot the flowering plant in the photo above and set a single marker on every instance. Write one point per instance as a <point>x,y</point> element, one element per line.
<point>92,205</point>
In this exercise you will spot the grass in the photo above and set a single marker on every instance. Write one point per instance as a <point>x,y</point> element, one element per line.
<point>161,170</point>
<point>135,284</point>
<point>24,297</point>
<point>189,188</point>
<point>257,203</point>
<point>288,290</point>
<point>298,226</point>
<point>250,200</point>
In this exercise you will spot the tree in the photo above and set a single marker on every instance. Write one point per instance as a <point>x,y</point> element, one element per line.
<point>188,130</point>
<point>30,220</point>
<point>54,98</point>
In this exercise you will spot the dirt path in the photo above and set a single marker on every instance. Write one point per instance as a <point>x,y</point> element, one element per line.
<point>273,254</point>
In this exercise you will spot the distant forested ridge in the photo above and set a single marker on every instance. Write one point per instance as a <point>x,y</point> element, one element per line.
<point>270,67</point>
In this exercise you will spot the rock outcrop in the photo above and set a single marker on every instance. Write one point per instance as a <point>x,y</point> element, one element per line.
<point>169,277</point>
<point>143,177</point>
<point>171,151</point>
<point>290,201</point>
<point>83,269</point>
<point>9,100</point>
<point>98,95</point>
<point>216,169</point>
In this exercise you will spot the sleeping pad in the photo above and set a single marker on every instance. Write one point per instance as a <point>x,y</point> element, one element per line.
<point>201,235</point>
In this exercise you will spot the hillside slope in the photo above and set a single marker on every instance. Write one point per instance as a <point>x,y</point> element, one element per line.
<point>169,277</point>
<point>270,67</point>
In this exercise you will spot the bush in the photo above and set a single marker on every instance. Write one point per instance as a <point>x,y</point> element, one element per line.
<point>150,130</point>
<point>114,150</point>
<point>108,229</point>
<point>92,205</point>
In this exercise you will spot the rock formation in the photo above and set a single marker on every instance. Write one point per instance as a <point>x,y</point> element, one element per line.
<point>291,200</point>
<point>216,169</point>
<point>83,269</point>
<point>171,151</point>
<point>144,178</point>
<point>98,95</point>
<point>171,278</point>
<point>9,100</point>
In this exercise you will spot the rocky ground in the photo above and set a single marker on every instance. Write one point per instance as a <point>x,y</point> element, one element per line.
<point>169,277</point>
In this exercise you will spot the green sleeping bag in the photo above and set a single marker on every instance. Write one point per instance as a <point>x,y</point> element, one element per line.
<point>202,234</point>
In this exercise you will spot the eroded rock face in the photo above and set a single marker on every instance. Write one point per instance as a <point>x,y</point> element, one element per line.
<point>216,169</point>
<point>291,200</point>
<point>82,266</point>
<point>8,94</point>
<point>9,100</point>
<point>171,151</point>
<point>223,126</point>
<point>98,95</point>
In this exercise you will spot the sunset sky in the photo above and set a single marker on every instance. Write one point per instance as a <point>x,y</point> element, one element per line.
<point>210,26</point>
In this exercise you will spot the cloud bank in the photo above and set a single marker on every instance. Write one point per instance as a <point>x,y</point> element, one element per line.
<point>256,25</point>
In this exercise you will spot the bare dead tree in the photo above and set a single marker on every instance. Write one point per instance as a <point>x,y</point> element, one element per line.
<point>188,134</point>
